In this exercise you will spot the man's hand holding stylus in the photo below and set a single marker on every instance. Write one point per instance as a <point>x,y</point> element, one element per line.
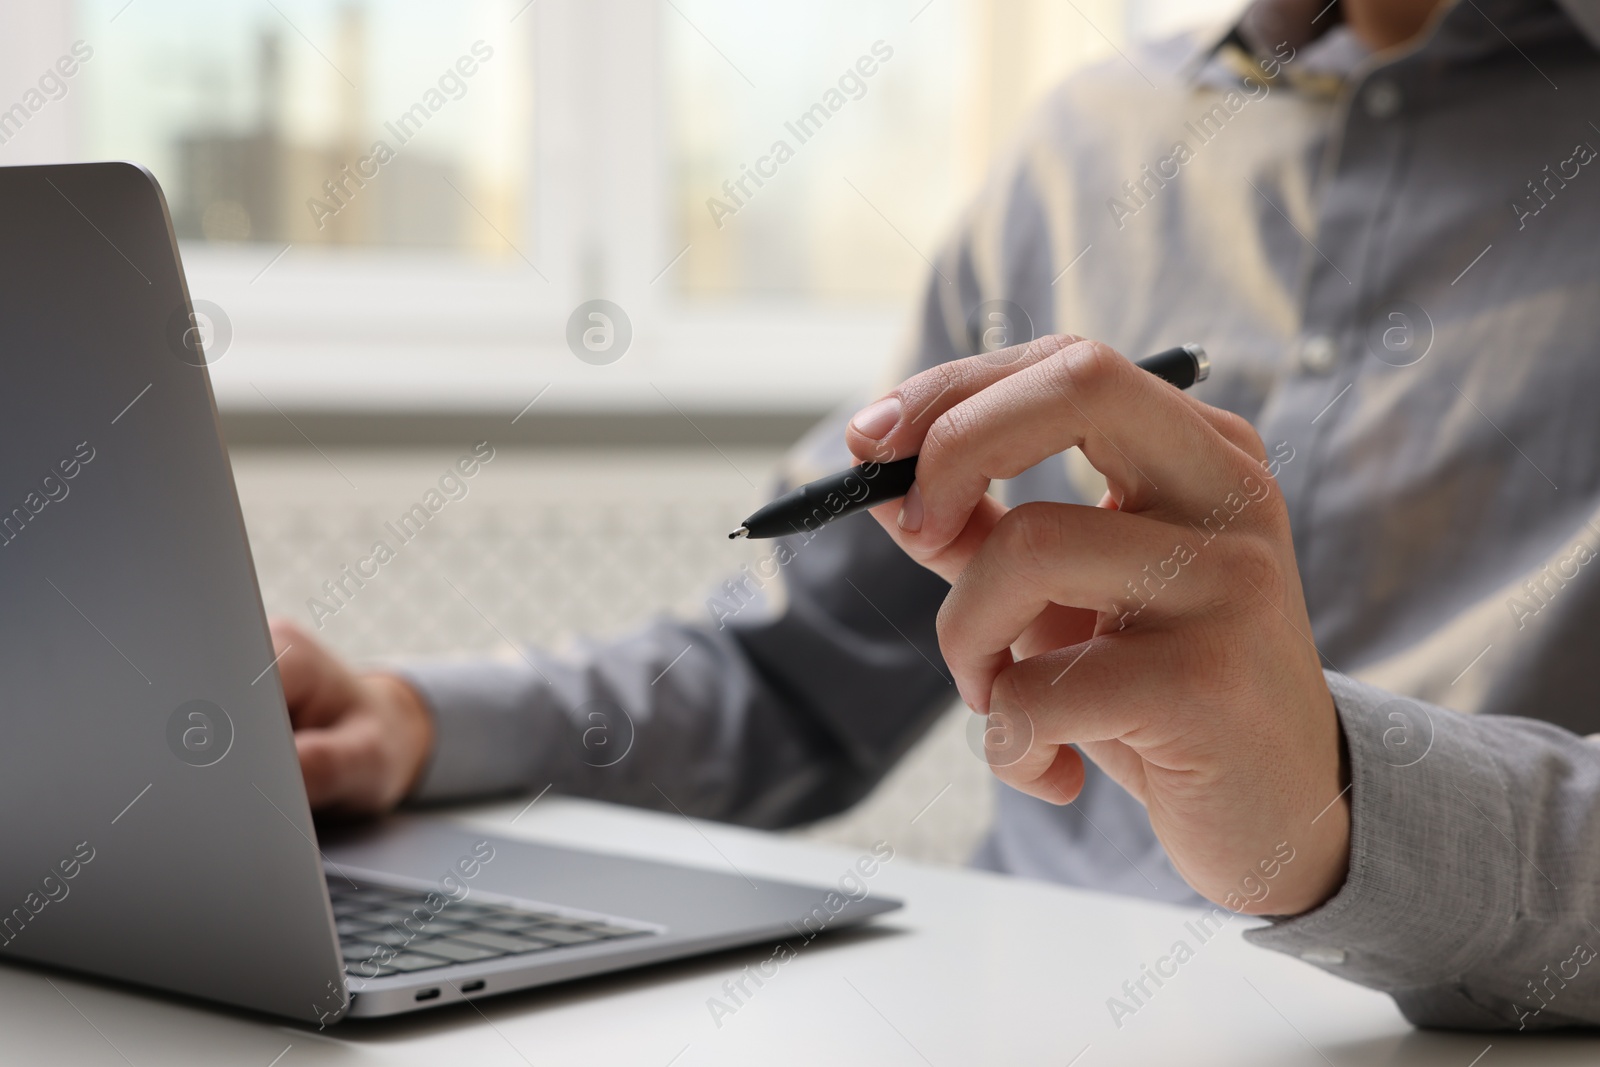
<point>1163,633</point>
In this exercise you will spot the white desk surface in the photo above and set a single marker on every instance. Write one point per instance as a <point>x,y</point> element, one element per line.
<point>976,969</point>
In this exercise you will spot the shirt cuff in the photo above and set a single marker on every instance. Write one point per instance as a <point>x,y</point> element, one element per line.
<point>492,721</point>
<point>1432,886</point>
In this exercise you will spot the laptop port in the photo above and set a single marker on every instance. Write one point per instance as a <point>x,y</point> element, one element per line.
<point>472,987</point>
<point>427,994</point>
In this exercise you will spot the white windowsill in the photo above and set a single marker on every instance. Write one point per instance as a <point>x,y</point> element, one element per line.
<point>410,332</point>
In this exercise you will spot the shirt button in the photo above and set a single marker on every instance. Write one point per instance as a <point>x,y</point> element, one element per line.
<point>1325,956</point>
<point>1317,354</point>
<point>1382,99</point>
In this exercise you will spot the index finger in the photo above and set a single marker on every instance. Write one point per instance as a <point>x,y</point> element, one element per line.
<point>1157,449</point>
<point>893,427</point>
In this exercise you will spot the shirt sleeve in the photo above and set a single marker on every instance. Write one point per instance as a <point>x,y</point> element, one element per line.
<point>1473,867</point>
<point>789,707</point>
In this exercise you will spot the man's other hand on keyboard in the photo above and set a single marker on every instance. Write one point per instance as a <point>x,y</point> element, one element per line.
<point>363,739</point>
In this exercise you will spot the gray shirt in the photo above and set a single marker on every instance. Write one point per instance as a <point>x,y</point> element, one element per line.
<point>1395,263</point>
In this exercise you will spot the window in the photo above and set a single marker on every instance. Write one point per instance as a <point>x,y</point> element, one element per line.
<point>317,123</point>
<point>401,203</point>
<point>863,171</point>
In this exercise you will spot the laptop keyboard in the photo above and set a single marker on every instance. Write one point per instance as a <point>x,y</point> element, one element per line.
<point>385,931</point>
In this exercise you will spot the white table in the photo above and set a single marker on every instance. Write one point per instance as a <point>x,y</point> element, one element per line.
<point>976,969</point>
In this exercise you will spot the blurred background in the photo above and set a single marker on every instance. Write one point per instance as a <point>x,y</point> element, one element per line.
<point>390,212</point>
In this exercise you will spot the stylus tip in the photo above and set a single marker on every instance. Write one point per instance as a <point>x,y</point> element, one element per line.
<point>743,531</point>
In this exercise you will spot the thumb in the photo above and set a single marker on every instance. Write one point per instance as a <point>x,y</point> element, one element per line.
<point>325,756</point>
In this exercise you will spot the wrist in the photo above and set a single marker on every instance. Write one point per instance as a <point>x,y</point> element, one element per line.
<point>1327,846</point>
<point>1327,862</point>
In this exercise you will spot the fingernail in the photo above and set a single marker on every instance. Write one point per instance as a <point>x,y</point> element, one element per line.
<point>911,510</point>
<point>876,420</point>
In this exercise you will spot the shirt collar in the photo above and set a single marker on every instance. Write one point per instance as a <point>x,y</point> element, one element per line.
<point>1326,53</point>
<point>1585,14</point>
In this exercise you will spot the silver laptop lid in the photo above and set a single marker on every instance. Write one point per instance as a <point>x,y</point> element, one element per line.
<point>156,827</point>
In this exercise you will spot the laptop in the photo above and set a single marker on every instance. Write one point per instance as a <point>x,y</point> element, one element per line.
<point>157,830</point>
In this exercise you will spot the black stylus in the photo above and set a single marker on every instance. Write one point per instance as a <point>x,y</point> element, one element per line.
<point>806,508</point>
